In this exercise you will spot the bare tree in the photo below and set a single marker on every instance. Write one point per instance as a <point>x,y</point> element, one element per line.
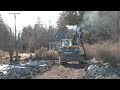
<point>104,25</point>
<point>6,38</point>
<point>38,36</point>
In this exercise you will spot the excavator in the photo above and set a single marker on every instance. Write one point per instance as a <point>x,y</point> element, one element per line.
<point>72,49</point>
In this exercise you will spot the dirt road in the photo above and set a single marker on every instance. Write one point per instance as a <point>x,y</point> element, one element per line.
<point>69,71</point>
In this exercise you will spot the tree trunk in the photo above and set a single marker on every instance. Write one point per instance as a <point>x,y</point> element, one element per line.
<point>11,55</point>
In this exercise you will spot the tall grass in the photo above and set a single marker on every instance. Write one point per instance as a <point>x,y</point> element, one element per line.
<point>106,51</point>
<point>90,51</point>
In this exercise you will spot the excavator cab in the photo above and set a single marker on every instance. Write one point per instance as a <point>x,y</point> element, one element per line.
<point>66,42</point>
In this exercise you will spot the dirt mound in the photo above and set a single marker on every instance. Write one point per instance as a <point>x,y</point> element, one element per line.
<point>61,72</point>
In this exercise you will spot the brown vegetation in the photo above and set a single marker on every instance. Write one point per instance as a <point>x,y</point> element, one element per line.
<point>46,54</point>
<point>106,51</point>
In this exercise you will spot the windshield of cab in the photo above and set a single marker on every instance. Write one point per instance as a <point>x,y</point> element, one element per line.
<point>67,43</point>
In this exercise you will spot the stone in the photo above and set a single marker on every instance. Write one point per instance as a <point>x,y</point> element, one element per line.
<point>100,70</point>
<point>26,70</point>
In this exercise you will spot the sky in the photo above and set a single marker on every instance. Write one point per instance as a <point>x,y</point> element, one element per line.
<point>29,18</point>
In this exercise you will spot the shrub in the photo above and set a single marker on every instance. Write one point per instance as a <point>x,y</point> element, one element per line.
<point>90,51</point>
<point>51,54</point>
<point>106,51</point>
<point>46,54</point>
<point>41,53</point>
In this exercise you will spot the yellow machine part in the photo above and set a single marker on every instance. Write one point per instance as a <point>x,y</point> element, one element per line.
<point>81,51</point>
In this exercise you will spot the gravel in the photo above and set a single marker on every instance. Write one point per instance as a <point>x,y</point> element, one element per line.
<point>100,70</point>
<point>24,71</point>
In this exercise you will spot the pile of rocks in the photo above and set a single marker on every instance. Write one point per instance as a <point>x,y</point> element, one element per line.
<point>24,71</point>
<point>100,70</point>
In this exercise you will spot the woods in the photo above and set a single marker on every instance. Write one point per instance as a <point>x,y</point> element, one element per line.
<point>101,25</point>
<point>37,37</point>
<point>6,36</point>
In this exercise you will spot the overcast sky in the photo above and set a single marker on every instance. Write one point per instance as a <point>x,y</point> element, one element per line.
<point>29,17</point>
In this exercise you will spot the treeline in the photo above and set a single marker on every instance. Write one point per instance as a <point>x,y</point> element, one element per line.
<point>6,36</point>
<point>97,25</point>
<point>105,27</point>
<point>33,38</point>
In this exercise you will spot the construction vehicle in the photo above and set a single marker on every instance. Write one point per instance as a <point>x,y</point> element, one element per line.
<point>70,51</point>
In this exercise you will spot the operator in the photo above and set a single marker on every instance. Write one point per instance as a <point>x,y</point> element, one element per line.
<point>81,36</point>
<point>75,38</point>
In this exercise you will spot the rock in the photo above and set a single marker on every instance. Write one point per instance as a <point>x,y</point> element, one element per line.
<point>100,70</point>
<point>99,77</point>
<point>17,71</point>
<point>112,77</point>
<point>94,71</point>
<point>26,70</point>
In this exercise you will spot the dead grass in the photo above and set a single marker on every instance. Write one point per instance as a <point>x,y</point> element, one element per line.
<point>4,56</point>
<point>46,54</point>
<point>106,51</point>
<point>109,52</point>
<point>90,51</point>
<point>51,54</point>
